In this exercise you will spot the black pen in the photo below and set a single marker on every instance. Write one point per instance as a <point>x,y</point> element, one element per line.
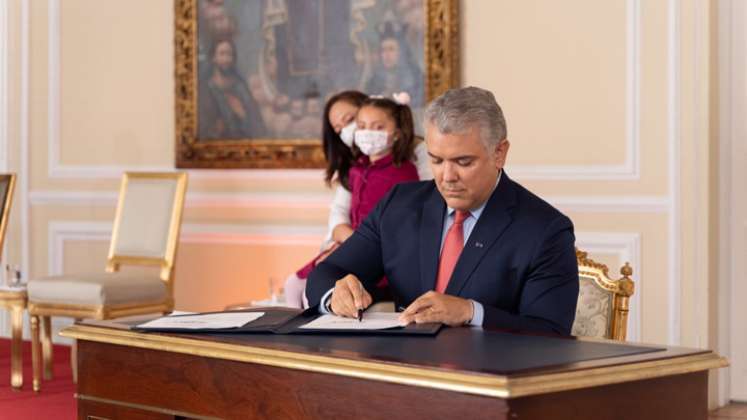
<point>360,315</point>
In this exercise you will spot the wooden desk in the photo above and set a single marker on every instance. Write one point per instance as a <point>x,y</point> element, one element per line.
<point>124,374</point>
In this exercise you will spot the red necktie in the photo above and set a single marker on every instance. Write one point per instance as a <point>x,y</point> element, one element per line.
<point>453,244</point>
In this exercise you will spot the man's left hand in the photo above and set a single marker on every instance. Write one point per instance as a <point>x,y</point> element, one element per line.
<point>437,307</point>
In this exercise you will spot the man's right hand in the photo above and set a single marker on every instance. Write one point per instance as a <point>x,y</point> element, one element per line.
<point>349,296</point>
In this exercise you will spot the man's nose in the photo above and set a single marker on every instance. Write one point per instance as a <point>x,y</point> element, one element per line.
<point>450,173</point>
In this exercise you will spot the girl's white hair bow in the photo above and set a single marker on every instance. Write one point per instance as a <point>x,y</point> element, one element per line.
<point>402,98</point>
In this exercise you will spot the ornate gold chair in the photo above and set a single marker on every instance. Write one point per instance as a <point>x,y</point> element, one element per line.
<point>146,233</point>
<point>603,303</point>
<point>11,298</point>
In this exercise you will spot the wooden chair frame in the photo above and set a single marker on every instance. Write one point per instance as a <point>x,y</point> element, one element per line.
<point>7,203</point>
<point>622,289</point>
<point>40,312</point>
<point>12,300</point>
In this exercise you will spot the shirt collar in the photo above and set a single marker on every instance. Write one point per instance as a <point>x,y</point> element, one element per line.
<point>476,212</point>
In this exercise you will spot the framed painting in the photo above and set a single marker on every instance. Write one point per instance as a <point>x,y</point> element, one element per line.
<point>252,76</point>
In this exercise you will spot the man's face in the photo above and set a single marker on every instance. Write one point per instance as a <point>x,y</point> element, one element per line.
<point>464,170</point>
<point>223,58</point>
<point>389,53</point>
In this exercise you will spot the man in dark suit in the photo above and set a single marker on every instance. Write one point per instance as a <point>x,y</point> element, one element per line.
<point>471,247</point>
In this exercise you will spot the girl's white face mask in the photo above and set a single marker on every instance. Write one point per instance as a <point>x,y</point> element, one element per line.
<point>347,134</point>
<point>372,142</point>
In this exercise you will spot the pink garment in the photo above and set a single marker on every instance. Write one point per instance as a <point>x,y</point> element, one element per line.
<point>369,183</point>
<point>294,292</point>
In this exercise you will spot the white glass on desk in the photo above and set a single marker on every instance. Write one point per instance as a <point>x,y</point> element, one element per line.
<point>277,297</point>
<point>12,278</point>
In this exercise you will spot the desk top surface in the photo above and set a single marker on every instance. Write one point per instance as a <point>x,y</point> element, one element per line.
<point>467,356</point>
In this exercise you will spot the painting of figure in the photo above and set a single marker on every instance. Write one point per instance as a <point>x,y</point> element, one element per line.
<point>263,70</point>
<point>267,66</point>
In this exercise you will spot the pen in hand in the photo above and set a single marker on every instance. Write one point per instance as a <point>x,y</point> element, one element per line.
<point>360,315</point>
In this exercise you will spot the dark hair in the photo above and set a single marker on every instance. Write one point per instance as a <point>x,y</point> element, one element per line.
<point>214,47</point>
<point>402,150</point>
<point>339,157</point>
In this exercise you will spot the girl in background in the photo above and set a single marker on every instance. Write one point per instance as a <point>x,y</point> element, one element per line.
<point>384,140</point>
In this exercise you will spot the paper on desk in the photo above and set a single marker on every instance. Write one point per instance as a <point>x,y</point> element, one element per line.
<point>372,321</point>
<point>179,313</point>
<point>204,321</point>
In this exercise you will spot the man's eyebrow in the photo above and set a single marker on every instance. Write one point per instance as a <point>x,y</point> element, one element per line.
<point>454,158</point>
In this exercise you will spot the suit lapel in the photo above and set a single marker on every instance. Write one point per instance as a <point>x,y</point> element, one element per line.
<point>431,227</point>
<point>493,222</point>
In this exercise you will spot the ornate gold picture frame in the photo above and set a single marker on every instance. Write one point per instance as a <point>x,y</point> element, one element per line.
<point>249,94</point>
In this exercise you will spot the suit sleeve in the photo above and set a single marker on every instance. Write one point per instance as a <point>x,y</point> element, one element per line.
<point>550,294</point>
<point>360,255</point>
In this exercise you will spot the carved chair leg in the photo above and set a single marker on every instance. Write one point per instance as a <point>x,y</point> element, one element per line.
<point>74,360</point>
<point>35,353</point>
<point>46,340</point>
<point>16,361</point>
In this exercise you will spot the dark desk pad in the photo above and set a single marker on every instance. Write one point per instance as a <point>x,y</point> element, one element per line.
<point>278,320</point>
<point>461,349</point>
<point>267,323</point>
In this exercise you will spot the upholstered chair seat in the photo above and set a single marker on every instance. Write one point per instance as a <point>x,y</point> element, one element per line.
<point>603,303</point>
<point>116,288</point>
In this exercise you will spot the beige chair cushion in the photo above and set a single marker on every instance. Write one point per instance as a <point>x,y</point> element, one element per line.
<point>594,310</point>
<point>97,289</point>
<point>146,218</point>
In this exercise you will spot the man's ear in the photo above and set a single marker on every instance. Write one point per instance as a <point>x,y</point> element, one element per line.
<point>501,151</point>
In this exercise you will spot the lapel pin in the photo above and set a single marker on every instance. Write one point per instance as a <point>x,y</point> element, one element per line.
<point>478,244</point>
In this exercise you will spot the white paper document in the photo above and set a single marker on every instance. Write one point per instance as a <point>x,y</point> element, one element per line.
<point>372,321</point>
<point>204,321</point>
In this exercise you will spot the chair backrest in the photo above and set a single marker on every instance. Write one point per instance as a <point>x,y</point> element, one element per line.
<point>7,185</point>
<point>603,303</point>
<point>148,220</point>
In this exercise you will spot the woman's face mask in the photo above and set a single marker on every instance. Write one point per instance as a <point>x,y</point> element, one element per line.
<point>372,142</point>
<point>347,134</point>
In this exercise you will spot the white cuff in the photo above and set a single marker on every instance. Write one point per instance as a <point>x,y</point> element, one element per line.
<point>324,307</point>
<point>478,313</point>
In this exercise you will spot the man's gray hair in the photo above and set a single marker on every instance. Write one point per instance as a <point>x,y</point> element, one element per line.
<point>457,110</point>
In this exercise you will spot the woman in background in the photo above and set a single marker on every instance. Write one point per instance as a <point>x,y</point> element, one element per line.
<point>378,167</point>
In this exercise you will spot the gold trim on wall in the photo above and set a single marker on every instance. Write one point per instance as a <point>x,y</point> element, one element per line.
<point>442,72</point>
<point>497,386</point>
